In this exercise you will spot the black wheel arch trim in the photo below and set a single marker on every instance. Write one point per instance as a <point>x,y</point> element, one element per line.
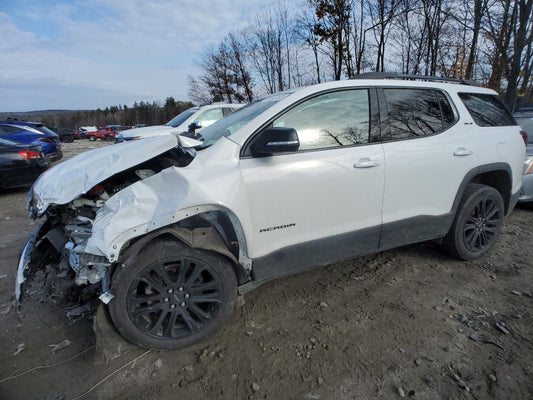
<point>469,177</point>
<point>211,241</point>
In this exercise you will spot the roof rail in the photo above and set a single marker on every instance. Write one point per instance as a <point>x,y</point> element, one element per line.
<point>411,77</point>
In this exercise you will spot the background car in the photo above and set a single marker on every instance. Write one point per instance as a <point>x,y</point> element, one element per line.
<point>33,133</point>
<point>525,120</point>
<point>66,135</point>
<point>108,133</point>
<point>194,118</point>
<point>20,164</point>
<point>82,131</point>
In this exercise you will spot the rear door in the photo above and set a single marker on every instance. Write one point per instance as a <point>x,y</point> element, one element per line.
<point>427,155</point>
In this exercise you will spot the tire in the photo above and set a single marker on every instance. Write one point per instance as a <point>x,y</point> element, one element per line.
<point>68,139</point>
<point>109,139</point>
<point>477,224</point>
<point>92,138</point>
<point>157,303</point>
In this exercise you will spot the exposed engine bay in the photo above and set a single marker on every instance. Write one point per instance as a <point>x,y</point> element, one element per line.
<point>73,277</point>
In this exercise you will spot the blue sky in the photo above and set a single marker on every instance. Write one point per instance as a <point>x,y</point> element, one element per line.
<point>85,54</point>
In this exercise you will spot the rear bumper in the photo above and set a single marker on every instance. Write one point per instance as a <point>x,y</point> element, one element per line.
<point>526,192</point>
<point>512,202</point>
<point>57,155</point>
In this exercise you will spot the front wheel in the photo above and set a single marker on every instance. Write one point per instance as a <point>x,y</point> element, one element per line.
<point>172,296</point>
<point>92,138</point>
<point>109,139</point>
<point>477,224</point>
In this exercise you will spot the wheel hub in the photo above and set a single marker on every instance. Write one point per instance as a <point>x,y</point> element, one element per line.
<point>479,229</point>
<point>175,299</point>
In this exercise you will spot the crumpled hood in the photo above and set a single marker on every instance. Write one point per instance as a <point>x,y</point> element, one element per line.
<point>66,181</point>
<point>150,131</point>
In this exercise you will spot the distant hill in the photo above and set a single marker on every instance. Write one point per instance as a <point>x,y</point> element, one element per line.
<point>37,115</point>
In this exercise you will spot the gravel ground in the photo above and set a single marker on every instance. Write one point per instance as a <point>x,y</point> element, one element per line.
<point>410,322</point>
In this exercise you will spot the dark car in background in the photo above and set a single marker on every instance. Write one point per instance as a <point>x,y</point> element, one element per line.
<point>33,133</point>
<point>20,164</point>
<point>525,120</point>
<point>66,135</point>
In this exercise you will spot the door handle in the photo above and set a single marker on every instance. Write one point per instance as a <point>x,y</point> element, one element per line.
<point>366,163</point>
<point>462,152</point>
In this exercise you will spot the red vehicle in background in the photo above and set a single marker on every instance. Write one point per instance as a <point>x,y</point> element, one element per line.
<point>108,133</point>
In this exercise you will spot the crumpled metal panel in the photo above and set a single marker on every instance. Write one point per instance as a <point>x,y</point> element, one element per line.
<point>68,180</point>
<point>168,197</point>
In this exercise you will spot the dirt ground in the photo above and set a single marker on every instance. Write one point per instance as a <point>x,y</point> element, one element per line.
<point>410,322</point>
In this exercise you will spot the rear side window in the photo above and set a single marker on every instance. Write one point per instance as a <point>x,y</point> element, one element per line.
<point>227,110</point>
<point>211,115</point>
<point>487,109</point>
<point>416,113</point>
<point>45,130</point>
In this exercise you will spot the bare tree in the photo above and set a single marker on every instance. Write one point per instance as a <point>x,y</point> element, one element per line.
<point>510,31</point>
<point>239,67</point>
<point>306,32</point>
<point>198,91</point>
<point>332,29</point>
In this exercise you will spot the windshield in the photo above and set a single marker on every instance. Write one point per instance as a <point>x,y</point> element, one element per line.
<point>181,118</point>
<point>45,130</point>
<point>527,125</point>
<point>237,119</point>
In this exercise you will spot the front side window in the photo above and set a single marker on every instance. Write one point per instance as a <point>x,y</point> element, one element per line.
<point>330,120</point>
<point>415,113</point>
<point>487,109</point>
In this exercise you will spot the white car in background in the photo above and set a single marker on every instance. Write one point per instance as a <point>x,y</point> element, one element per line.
<point>194,118</point>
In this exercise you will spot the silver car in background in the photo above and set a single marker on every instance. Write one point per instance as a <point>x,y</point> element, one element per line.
<point>525,120</point>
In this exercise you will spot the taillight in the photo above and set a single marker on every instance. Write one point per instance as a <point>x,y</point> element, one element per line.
<point>29,154</point>
<point>96,190</point>
<point>524,136</point>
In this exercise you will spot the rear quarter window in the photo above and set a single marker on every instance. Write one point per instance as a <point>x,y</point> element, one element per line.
<point>487,109</point>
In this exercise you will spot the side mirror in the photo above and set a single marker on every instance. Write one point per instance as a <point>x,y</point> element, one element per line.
<point>274,141</point>
<point>194,125</point>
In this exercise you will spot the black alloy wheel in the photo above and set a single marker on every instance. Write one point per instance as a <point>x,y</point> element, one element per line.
<point>172,296</point>
<point>481,226</point>
<point>478,223</point>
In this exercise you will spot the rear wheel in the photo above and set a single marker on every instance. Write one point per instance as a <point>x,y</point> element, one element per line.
<point>172,296</point>
<point>108,138</point>
<point>92,138</point>
<point>477,224</point>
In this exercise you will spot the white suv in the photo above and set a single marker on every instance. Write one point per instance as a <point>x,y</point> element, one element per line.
<point>194,119</point>
<point>169,232</point>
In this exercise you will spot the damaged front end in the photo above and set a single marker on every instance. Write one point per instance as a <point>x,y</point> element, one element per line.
<point>55,253</point>
<point>55,262</point>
